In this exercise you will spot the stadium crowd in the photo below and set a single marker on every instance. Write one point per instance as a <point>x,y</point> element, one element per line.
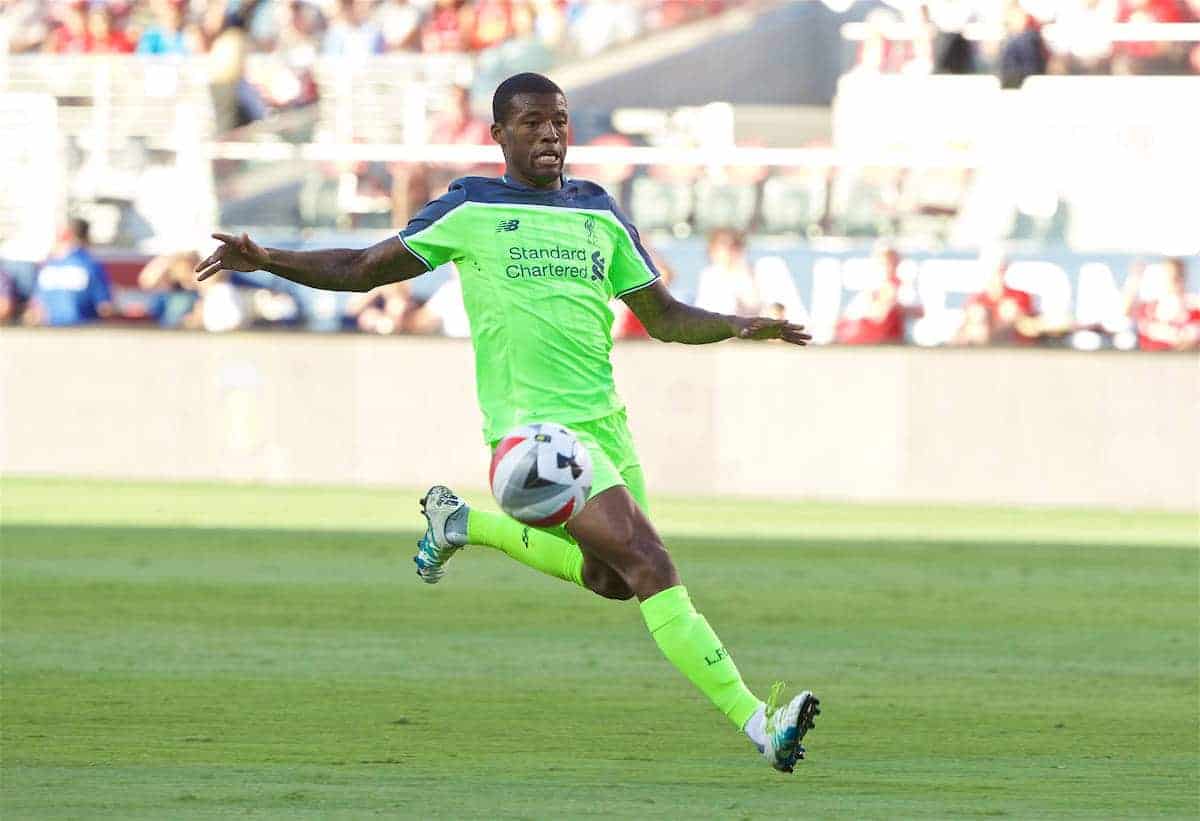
<point>1031,37</point>
<point>295,33</point>
<point>73,287</point>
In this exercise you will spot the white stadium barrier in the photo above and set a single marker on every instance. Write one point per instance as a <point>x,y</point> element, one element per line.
<point>991,426</point>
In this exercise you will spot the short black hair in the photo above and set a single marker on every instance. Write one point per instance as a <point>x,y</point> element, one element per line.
<point>526,83</point>
<point>80,229</point>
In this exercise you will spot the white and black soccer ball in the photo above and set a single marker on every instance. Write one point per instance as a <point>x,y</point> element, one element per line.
<point>541,474</point>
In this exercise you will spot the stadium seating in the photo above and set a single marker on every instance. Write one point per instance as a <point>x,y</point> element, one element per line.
<point>725,205</point>
<point>660,204</point>
<point>791,205</point>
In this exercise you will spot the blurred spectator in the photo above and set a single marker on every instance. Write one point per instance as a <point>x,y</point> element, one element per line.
<point>878,53</point>
<point>71,35</point>
<point>273,308</point>
<point>727,285</point>
<point>1166,317</point>
<point>1024,52</point>
<point>400,24</point>
<point>106,36</point>
<point>383,310</point>
<point>235,101</point>
<point>288,81</point>
<point>998,314</point>
<point>492,22</point>
<point>875,316</point>
<point>353,33</point>
<point>171,279</point>
<point>1082,46</point>
<point>448,27</point>
<point>952,52</point>
<point>23,26</point>
<point>9,300</point>
<point>415,184</point>
<point>168,34</point>
<point>1151,57</point>
<point>221,306</point>
<point>550,21</point>
<point>443,313</point>
<point>72,286</point>
<point>597,25</point>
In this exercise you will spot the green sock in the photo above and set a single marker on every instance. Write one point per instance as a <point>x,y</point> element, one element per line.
<point>553,552</point>
<point>688,642</point>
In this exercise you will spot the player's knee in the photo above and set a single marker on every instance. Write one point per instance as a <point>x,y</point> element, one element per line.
<point>617,590</point>
<point>605,582</point>
<point>652,568</point>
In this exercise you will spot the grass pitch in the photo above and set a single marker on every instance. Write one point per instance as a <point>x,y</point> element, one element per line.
<point>207,651</point>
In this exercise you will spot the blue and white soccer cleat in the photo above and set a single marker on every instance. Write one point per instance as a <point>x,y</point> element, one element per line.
<point>786,727</point>
<point>435,548</point>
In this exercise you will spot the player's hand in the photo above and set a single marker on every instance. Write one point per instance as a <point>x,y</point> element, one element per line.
<point>233,254</point>
<point>762,327</point>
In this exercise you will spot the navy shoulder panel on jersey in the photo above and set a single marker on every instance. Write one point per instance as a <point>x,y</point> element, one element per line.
<point>435,210</point>
<point>575,193</point>
<point>502,191</point>
<point>633,233</point>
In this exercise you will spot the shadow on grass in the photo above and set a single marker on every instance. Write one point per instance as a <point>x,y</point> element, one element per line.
<point>76,540</point>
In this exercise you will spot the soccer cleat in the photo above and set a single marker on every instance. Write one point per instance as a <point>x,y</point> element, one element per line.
<point>786,727</point>
<point>435,548</point>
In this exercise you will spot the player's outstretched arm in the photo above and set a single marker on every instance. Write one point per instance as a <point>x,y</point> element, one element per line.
<point>670,320</point>
<point>337,269</point>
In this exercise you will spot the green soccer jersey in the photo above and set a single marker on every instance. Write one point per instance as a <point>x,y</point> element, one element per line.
<point>538,270</point>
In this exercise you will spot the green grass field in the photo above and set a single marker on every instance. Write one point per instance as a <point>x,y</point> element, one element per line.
<point>211,651</point>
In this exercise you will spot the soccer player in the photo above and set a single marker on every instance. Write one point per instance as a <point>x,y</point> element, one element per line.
<point>540,256</point>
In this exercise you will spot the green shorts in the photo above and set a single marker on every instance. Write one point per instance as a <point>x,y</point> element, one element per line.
<point>614,461</point>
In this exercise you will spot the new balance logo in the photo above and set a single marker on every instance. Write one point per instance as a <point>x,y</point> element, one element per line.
<point>507,225</point>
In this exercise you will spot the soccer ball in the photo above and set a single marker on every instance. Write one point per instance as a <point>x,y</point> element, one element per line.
<point>541,474</point>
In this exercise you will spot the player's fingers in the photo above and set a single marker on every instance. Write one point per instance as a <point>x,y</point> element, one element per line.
<point>215,256</point>
<point>770,328</point>
<point>208,271</point>
<point>229,238</point>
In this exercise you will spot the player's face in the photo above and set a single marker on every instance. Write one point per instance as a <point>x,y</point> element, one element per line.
<point>534,138</point>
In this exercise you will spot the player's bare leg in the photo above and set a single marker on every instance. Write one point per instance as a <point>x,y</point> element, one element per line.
<point>614,531</point>
<point>451,525</point>
<point>603,580</point>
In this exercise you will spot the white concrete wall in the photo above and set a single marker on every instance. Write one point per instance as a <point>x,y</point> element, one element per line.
<point>989,426</point>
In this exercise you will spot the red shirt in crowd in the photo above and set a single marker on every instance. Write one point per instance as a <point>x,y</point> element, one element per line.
<point>65,41</point>
<point>881,324</point>
<point>1153,11</point>
<point>1023,301</point>
<point>1003,312</point>
<point>444,30</point>
<point>1163,327</point>
<point>115,43</point>
<point>868,331</point>
<point>493,23</point>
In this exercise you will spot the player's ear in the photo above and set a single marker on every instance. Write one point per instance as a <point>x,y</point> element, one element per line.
<point>498,133</point>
